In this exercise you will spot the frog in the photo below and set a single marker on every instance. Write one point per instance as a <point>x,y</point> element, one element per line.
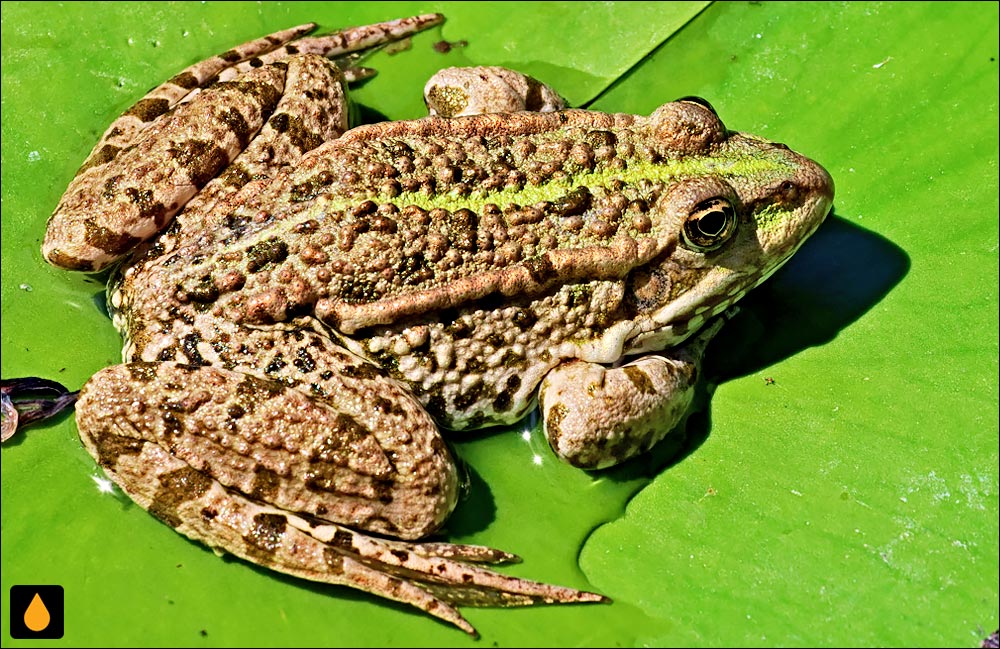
<point>305,306</point>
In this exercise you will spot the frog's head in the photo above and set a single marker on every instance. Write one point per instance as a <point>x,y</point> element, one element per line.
<point>737,207</point>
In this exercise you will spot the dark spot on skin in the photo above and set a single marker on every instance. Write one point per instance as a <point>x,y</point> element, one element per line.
<point>291,49</point>
<point>469,396</point>
<point>185,80</point>
<point>255,62</point>
<point>189,345</point>
<point>230,56</point>
<point>267,532</point>
<point>235,122</point>
<point>402,555</point>
<point>524,319</point>
<point>146,110</point>
<point>105,154</point>
<point>477,420</point>
<point>436,407</point>
<point>276,365</point>
<point>502,402</point>
<point>359,371</point>
<point>252,391</point>
<point>141,372</point>
<point>304,361</point>
<point>202,159</point>
<point>334,561</point>
<point>235,223</point>
<point>553,422</point>
<point>168,353</point>
<point>639,379</point>
<point>208,513</point>
<point>295,130</point>
<point>110,447</point>
<point>342,539</point>
<point>62,260</point>
<point>205,292</point>
<point>387,406</point>
<point>511,359</point>
<point>176,488</point>
<point>280,122</point>
<point>113,243</point>
<point>235,176</point>
<point>172,425</point>
<point>541,269</point>
<point>235,411</point>
<point>265,484</point>
<point>272,250</point>
<point>475,365</point>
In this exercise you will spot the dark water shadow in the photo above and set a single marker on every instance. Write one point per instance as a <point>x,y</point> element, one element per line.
<point>476,508</point>
<point>362,114</point>
<point>837,276</point>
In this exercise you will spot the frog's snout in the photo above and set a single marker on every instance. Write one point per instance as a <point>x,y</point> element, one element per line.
<point>817,186</point>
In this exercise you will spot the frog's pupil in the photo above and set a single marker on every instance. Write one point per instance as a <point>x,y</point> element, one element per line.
<point>713,223</point>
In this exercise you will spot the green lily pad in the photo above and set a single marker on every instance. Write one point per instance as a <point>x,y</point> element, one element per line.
<point>839,487</point>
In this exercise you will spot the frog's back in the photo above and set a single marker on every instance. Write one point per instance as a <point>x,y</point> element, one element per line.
<point>405,218</point>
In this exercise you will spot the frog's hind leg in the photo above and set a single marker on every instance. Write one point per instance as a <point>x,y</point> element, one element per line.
<point>202,448</point>
<point>237,60</point>
<point>124,130</point>
<point>166,148</point>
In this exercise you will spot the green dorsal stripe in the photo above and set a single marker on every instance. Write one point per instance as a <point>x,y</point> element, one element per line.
<point>663,172</point>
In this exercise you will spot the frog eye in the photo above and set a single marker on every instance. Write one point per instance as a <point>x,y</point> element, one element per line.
<point>691,99</point>
<point>710,224</point>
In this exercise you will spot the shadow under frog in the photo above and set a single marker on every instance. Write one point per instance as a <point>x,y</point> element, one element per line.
<point>838,275</point>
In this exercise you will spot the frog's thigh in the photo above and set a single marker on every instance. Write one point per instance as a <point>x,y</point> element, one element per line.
<point>267,441</point>
<point>596,417</point>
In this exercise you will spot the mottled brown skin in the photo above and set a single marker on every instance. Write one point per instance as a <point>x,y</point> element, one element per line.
<point>300,328</point>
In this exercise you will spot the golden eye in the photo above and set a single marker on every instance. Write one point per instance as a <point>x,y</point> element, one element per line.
<point>710,224</point>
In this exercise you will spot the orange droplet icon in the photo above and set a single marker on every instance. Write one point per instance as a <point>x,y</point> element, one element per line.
<point>36,616</point>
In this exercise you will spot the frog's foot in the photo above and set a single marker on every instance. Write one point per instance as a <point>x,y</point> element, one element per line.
<point>457,92</point>
<point>434,577</point>
<point>596,417</point>
<point>226,458</point>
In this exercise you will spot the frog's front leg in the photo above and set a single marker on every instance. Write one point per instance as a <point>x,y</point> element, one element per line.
<point>596,417</point>
<point>231,460</point>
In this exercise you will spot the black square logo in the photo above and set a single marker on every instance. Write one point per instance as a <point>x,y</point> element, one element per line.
<point>36,612</point>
